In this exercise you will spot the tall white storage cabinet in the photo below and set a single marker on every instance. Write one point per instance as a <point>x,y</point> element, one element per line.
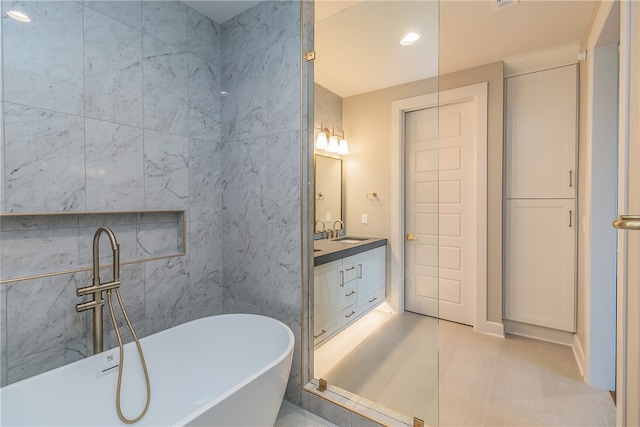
<point>541,140</point>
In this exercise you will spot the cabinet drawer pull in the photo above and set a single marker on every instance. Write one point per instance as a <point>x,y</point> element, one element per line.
<point>570,218</point>
<point>342,278</point>
<point>323,332</point>
<point>359,271</point>
<point>349,294</point>
<point>350,268</point>
<point>570,179</point>
<point>349,315</point>
<point>373,299</point>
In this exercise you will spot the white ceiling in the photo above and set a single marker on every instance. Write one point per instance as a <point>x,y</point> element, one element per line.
<point>357,41</point>
<point>221,10</point>
<point>358,49</point>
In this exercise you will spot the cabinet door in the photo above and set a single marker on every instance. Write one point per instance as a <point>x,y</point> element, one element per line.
<point>371,275</point>
<point>541,130</point>
<point>540,262</point>
<point>326,309</point>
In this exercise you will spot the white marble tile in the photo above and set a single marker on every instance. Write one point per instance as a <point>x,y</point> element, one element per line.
<point>283,100</point>
<point>24,223</point>
<point>33,252</point>
<point>127,12</point>
<point>44,160</point>
<point>159,239</point>
<point>2,175</point>
<point>204,98</point>
<point>252,179</point>
<point>132,293</point>
<point>109,219</point>
<point>34,364</point>
<point>114,167</point>
<point>166,288</point>
<point>165,87</point>
<point>113,70</point>
<point>230,101</point>
<point>159,322</point>
<point>43,60</point>
<point>230,172</point>
<point>283,20</point>
<point>246,33</point>
<point>166,20</point>
<point>166,171</point>
<point>3,331</point>
<point>205,192</point>
<point>205,37</point>
<point>283,206</point>
<point>32,305</point>
<point>252,87</point>
<point>205,272</point>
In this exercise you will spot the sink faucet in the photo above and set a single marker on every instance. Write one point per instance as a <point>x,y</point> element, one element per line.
<point>97,288</point>
<point>336,231</point>
<point>324,226</point>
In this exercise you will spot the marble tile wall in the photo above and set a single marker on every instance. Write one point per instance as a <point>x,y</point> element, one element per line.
<point>327,109</point>
<point>135,86</point>
<point>261,137</point>
<point>108,106</point>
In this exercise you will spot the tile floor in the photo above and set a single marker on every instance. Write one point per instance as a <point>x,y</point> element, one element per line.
<point>291,415</point>
<point>446,374</point>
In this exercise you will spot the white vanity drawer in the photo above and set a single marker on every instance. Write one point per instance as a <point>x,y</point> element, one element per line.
<point>349,269</point>
<point>371,299</point>
<point>350,313</point>
<point>349,294</point>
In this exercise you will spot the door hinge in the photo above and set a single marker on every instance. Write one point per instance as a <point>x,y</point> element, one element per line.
<point>310,55</point>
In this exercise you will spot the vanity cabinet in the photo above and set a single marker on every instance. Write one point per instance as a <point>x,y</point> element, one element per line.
<point>346,289</point>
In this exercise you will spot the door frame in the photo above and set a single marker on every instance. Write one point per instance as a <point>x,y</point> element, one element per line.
<point>477,93</point>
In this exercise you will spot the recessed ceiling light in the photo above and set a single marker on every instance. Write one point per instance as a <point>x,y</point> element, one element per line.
<point>18,16</point>
<point>409,39</point>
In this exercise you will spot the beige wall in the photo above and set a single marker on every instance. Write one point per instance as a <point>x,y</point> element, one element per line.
<point>367,121</point>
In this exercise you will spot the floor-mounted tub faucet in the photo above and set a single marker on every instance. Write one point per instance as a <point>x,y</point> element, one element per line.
<point>97,288</point>
<point>96,305</point>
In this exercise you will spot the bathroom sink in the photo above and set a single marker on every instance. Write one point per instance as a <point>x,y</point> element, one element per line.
<point>347,239</point>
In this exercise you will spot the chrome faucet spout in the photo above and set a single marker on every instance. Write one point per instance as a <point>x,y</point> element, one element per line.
<point>324,226</point>
<point>336,231</point>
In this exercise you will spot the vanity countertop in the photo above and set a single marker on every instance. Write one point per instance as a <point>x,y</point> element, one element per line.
<point>326,250</point>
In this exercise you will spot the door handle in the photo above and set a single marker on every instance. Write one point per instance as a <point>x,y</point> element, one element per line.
<point>411,236</point>
<point>627,222</point>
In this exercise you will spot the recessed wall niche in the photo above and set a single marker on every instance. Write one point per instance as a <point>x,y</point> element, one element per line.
<point>39,245</point>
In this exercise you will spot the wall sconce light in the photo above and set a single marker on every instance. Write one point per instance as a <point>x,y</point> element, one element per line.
<point>328,140</point>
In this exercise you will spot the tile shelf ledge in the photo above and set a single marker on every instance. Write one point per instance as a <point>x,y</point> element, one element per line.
<point>155,221</point>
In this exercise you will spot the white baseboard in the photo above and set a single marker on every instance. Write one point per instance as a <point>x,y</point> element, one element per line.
<point>495,328</point>
<point>539,332</point>
<point>578,353</point>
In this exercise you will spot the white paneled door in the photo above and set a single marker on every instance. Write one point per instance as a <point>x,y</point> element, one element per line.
<point>440,213</point>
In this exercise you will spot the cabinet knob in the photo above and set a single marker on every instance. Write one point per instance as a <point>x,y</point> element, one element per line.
<point>411,236</point>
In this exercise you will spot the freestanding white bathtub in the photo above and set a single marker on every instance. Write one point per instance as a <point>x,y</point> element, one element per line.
<point>228,370</point>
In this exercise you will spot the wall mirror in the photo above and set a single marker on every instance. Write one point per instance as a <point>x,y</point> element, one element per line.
<point>328,190</point>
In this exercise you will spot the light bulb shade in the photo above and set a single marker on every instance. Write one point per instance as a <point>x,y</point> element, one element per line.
<point>343,147</point>
<point>321,142</point>
<point>333,144</point>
